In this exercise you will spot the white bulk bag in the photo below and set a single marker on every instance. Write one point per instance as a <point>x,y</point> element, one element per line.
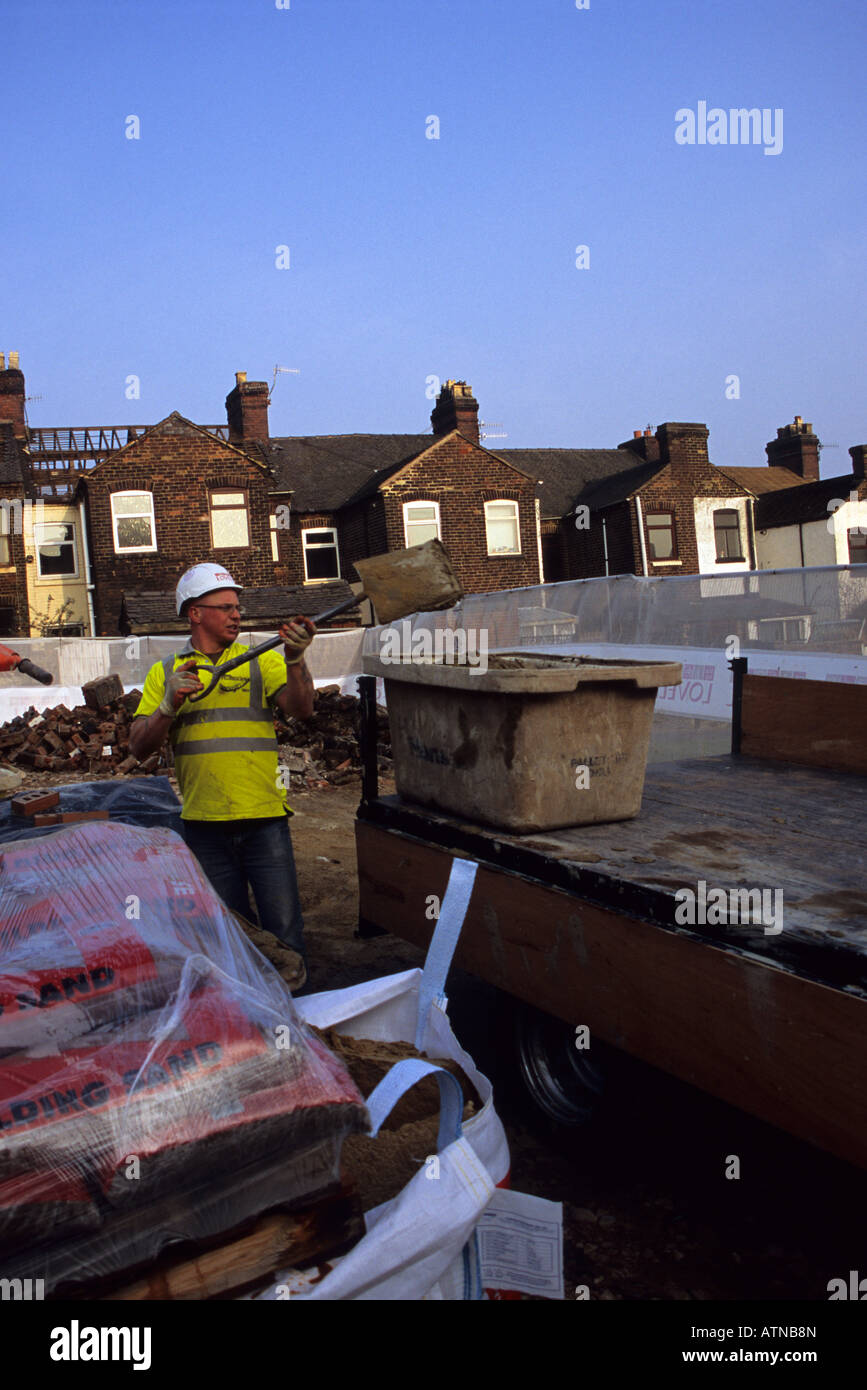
<point>421,1244</point>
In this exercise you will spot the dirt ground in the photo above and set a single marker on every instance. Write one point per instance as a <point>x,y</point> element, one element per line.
<point>648,1210</point>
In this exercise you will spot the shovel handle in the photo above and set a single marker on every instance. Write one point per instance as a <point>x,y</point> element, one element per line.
<point>253,652</point>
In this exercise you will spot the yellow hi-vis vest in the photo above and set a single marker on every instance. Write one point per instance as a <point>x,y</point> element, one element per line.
<point>224,745</point>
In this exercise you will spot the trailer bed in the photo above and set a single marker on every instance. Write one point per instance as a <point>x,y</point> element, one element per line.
<point>583,923</point>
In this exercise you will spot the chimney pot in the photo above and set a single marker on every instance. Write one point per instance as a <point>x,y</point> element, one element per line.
<point>648,434</point>
<point>239,377</point>
<point>2,361</point>
<point>13,361</point>
<point>636,434</point>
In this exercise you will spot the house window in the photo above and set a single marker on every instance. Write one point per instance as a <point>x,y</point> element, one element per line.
<point>501,526</point>
<point>5,550</point>
<point>660,535</point>
<point>55,548</point>
<point>132,518</point>
<point>858,546</point>
<point>229,524</point>
<point>321,560</point>
<point>727,534</point>
<point>275,550</point>
<point>421,522</point>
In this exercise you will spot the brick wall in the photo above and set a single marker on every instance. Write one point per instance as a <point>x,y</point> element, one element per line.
<point>585,548</point>
<point>13,580</point>
<point>179,465</point>
<point>688,474</point>
<point>461,477</point>
<point>362,533</point>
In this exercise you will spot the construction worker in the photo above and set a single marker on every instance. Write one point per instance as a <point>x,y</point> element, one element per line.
<point>225,749</point>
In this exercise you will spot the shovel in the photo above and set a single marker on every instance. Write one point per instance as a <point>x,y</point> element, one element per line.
<point>418,580</point>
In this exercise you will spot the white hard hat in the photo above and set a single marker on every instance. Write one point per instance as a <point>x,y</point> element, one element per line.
<point>202,579</point>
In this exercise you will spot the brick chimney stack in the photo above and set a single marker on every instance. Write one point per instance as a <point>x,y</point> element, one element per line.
<point>643,444</point>
<point>456,409</point>
<point>247,410</point>
<point>682,444</point>
<point>858,455</point>
<point>796,447</point>
<point>12,393</point>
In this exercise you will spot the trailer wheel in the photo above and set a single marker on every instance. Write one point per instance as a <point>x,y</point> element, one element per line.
<point>564,1083</point>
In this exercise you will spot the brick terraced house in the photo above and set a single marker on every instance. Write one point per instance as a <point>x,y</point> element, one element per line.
<point>126,509</point>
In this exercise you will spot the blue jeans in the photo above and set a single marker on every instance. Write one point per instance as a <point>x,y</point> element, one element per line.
<point>236,853</point>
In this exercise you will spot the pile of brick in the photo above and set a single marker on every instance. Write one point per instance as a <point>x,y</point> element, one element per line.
<point>91,738</point>
<point>324,750</point>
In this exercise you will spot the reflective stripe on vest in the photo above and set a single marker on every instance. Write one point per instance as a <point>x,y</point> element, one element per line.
<point>225,745</point>
<point>255,712</point>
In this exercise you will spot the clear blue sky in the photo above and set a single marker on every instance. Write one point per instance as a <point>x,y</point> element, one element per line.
<point>412,257</point>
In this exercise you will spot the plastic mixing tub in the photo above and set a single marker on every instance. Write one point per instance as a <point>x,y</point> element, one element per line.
<point>532,743</point>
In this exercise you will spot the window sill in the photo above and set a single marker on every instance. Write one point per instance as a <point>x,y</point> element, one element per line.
<point>665,562</point>
<point>731,559</point>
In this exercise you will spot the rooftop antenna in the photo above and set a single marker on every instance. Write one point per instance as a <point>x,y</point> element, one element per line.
<point>292,371</point>
<point>494,424</point>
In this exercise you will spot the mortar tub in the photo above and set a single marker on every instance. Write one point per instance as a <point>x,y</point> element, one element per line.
<point>532,743</point>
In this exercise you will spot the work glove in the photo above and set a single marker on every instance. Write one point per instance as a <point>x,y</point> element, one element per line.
<point>179,685</point>
<point>297,636</point>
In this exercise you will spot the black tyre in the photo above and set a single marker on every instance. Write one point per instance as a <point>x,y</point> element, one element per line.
<point>564,1082</point>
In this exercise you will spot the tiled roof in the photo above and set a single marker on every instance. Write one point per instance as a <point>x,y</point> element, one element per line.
<point>154,611</point>
<point>326,470</point>
<point>566,474</point>
<point>762,480</point>
<point>805,502</point>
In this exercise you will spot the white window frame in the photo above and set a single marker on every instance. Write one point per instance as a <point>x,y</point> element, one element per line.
<point>275,549</point>
<point>503,502</point>
<point>39,528</point>
<point>134,549</point>
<point>420,502</point>
<point>215,508</point>
<point>319,545</point>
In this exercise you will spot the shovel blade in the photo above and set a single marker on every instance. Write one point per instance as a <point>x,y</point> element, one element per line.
<point>417,580</point>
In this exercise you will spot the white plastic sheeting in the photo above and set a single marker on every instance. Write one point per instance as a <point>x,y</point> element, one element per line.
<point>801,623</point>
<point>335,657</point>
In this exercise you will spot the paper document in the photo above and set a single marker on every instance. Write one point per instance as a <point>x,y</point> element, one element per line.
<point>521,1244</point>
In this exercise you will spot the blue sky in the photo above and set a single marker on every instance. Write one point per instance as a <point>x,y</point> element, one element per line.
<point>412,257</point>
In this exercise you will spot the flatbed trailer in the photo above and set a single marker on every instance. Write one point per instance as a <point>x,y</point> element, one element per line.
<point>587,924</point>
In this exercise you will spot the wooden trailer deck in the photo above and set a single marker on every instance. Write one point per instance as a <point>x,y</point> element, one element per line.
<point>583,924</point>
